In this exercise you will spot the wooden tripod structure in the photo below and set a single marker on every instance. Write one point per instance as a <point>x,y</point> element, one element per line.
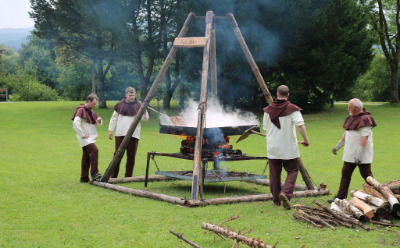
<point>209,62</point>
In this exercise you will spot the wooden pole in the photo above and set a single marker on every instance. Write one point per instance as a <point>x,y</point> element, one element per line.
<point>152,178</point>
<point>213,64</point>
<point>197,171</point>
<point>142,193</point>
<point>262,85</point>
<point>120,151</point>
<point>250,59</point>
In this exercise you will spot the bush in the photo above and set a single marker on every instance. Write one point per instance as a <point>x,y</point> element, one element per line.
<point>24,87</point>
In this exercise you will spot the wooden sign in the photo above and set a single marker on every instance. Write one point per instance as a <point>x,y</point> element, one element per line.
<point>190,42</point>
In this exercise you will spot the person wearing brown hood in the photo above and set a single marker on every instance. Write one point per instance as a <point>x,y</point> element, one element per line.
<point>358,145</point>
<point>121,119</point>
<point>85,121</point>
<point>280,120</point>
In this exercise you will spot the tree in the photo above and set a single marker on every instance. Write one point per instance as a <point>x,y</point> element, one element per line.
<point>385,19</point>
<point>94,29</point>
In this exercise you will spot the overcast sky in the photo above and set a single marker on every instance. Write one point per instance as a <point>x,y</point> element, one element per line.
<point>14,14</point>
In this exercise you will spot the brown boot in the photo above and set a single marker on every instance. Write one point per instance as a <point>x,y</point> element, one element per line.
<point>284,200</point>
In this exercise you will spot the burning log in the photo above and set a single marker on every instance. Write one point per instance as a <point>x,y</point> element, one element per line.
<point>394,203</point>
<point>251,242</point>
<point>367,209</point>
<point>349,208</point>
<point>369,198</point>
<point>180,236</point>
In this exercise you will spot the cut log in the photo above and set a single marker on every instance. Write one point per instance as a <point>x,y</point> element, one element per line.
<point>394,203</point>
<point>372,191</point>
<point>141,193</point>
<point>369,198</point>
<point>336,208</point>
<point>348,208</point>
<point>251,242</point>
<point>363,206</point>
<point>394,186</point>
<point>180,236</point>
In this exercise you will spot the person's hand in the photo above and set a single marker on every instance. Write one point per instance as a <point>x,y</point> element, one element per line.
<point>304,143</point>
<point>85,136</point>
<point>110,135</point>
<point>339,145</point>
<point>99,120</point>
<point>334,151</point>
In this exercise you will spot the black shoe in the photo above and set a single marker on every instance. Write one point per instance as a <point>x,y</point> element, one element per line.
<point>97,177</point>
<point>285,201</point>
<point>330,201</point>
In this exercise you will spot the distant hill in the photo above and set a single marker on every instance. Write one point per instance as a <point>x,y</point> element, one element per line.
<point>14,37</point>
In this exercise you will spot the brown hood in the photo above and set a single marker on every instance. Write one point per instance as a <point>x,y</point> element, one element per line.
<point>363,119</point>
<point>280,108</point>
<point>85,113</point>
<point>127,108</point>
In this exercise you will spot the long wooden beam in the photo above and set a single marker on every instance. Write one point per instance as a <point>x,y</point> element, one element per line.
<point>250,59</point>
<point>213,64</point>
<point>197,170</point>
<point>120,151</point>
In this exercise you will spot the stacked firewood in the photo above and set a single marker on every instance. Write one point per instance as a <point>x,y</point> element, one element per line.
<point>377,203</point>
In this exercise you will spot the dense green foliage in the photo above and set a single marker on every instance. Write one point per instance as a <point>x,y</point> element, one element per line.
<point>44,205</point>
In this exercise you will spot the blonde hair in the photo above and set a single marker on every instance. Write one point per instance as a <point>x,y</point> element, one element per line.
<point>91,97</point>
<point>130,90</point>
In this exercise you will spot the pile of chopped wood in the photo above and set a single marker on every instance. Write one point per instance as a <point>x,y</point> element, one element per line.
<point>377,203</point>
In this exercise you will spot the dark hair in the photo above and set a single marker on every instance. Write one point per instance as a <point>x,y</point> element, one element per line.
<point>130,90</point>
<point>91,97</point>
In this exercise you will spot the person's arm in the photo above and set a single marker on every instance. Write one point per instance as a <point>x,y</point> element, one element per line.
<point>303,132</point>
<point>265,122</point>
<point>113,124</point>
<point>145,116</point>
<point>339,145</point>
<point>77,125</point>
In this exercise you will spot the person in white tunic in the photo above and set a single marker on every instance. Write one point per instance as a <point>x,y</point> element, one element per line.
<point>85,121</point>
<point>280,121</point>
<point>121,119</point>
<point>358,145</point>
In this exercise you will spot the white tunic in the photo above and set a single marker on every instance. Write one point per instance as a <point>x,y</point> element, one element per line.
<point>121,123</point>
<point>282,143</point>
<point>352,144</point>
<point>83,128</point>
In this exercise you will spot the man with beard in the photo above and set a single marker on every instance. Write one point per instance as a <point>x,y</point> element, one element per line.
<point>358,145</point>
<point>280,119</point>
<point>85,121</point>
<point>121,119</point>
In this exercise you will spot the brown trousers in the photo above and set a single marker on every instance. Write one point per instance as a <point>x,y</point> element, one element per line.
<point>347,171</point>
<point>130,154</point>
<point>275,169</point>
<point>90,158</point>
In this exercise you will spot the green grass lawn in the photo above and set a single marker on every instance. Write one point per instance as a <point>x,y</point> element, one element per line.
<point>42,203</point>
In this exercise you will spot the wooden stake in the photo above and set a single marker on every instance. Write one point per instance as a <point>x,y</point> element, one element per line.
<point>251,242</point>
<point>180,236</point>
<point>197,178</point>
<point>306,177</point>
<point>121,149</point>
